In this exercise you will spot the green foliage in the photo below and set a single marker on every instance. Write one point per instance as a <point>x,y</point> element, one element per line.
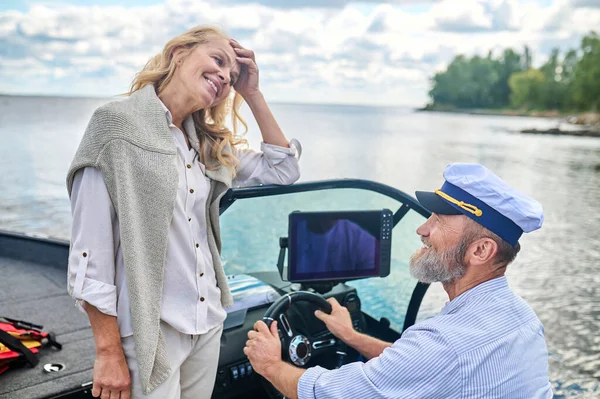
<point>527,88</point>
<point>467,83</point>
<point>571,82</point>
<point>586,80</point>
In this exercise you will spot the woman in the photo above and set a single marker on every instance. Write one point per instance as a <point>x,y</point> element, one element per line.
<point>145,186</point>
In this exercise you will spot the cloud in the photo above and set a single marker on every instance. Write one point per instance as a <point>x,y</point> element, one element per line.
<point>505,15</point>
<point>339,51</point>
<point>300,4</point>
<point>476,15</point>
<point>467,16</point>
<point>566,18</point>
<point>586,3</point>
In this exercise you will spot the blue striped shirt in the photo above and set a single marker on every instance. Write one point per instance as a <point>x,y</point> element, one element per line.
<point>485,343</point>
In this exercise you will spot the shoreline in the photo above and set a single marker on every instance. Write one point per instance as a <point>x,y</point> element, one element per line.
<point>559,132</point>
<point>589,122</point>
<point>497,112</point>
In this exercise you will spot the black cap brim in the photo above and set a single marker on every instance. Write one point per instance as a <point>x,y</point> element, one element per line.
<point>435,204</point>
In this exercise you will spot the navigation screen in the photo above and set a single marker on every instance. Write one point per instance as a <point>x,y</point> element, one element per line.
<point>334,245</point>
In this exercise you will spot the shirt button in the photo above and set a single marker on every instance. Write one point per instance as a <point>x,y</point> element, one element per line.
<point>201,299</point>
<point>85,254</point>
<point>201,274</point>
<point>189,219</point>
<point>197,245</point>
<point>192,190</point>
<point>189,166</point>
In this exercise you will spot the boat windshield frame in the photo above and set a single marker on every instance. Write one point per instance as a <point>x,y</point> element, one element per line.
<point>407,203</point>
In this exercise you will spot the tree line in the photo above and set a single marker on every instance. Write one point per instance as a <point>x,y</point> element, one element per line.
<point>569,82</point>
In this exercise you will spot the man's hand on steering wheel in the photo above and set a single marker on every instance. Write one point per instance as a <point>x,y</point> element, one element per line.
<point>338,322</point>
<point>263,348</point>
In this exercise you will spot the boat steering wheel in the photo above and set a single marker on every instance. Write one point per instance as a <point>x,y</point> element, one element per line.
<point>299,348</point>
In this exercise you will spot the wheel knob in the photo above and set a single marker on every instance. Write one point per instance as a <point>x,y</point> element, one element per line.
<point>299,350</point>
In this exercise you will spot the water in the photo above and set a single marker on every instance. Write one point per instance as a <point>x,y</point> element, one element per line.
<point>556,272</point>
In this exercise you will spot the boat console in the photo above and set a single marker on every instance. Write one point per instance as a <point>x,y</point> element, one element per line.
<point>235,377</point>
<point>326,249</point>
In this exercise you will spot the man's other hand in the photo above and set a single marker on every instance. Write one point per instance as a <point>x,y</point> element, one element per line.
<point>263,348</point>
<point>338,322</point>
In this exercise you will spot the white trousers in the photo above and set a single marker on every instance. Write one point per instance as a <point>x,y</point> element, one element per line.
<point>193,358</point>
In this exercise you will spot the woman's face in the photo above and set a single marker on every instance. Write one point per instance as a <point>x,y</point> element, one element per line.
<point>208,72</point>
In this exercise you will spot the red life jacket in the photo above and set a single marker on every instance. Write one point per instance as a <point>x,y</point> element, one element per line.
<point>20,342</point>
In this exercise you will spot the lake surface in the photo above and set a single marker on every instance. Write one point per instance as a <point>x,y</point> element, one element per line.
<point>557,271</point>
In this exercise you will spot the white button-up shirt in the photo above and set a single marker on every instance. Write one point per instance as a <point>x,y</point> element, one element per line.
<point>191,301</point>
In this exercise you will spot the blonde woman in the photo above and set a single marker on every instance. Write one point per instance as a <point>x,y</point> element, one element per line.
<point>145,186</point>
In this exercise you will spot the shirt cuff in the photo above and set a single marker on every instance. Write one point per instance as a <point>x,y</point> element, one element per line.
<point>100,295</point>
<point>306,384</point>
<point>276,154</point>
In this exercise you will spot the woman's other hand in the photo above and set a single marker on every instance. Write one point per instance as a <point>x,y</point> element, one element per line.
<point>111,377</point>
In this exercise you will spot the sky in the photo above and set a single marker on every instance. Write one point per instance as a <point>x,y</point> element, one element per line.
<point>308,51</point>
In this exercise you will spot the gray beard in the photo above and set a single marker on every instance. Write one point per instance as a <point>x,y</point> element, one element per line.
<point>434,266</point>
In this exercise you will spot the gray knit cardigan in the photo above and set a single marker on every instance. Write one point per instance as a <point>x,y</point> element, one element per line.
<point>130,143</point>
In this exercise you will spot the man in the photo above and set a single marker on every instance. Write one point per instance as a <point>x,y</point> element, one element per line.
<point>486,342</point>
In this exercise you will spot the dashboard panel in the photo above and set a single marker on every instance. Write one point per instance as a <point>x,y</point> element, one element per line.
<point>235,376</point>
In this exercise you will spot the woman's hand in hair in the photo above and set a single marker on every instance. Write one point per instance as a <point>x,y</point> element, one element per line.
<point>247,83</point>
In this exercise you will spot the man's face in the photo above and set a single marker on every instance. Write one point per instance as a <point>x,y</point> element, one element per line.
<point>441,259</point>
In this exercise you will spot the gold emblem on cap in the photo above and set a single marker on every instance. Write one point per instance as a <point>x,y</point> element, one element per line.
<point>467,207</point>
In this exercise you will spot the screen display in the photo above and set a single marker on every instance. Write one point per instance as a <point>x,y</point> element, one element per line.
<point>334,245</point>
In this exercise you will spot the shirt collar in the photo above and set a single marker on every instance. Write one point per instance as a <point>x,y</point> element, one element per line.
<point>497,284</point>
<point>167,112</point>
<point>188,126</point>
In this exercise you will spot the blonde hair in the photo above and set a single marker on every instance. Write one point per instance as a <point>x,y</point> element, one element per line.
<point>210,122</point>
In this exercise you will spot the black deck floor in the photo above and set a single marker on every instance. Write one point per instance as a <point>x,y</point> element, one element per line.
<point>36,292</point>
